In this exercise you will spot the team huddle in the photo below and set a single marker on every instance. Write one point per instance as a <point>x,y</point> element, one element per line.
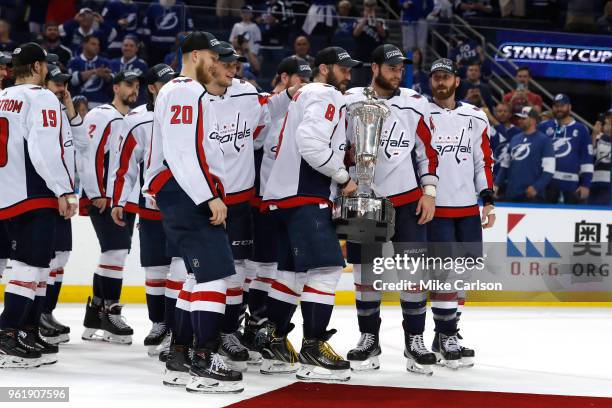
<point>232,191</point>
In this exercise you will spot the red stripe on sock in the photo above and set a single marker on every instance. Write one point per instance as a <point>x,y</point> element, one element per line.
<point>318,292</point>
<point>111,267</point>
<point>175,285</point>
<point>208,297</point>
<point>282,288</point>
<point>160,283</point>
<point>29,285</point>
<point>234,292</point>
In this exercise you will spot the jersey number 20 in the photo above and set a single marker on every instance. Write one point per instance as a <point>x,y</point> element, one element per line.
<point>185,113</point>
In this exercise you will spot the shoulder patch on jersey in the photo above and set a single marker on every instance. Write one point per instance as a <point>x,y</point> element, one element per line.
<point>132,113</point>
<point>476,109</point>
<point>416,96</point>
<point>263,99</point>
<point>36,88</point>
<point>182,80</point>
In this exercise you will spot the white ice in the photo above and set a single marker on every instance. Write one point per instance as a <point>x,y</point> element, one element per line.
<point>518,349</point>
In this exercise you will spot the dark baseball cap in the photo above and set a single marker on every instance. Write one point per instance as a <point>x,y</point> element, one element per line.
<point>159,73</point>
<point>127,76</point>
<point>5,59</point>
<point>294,65</point>
<point>230,54</point>
<point>247,8</point>
<point>389,54</point>
<point>31,52</point>
<point>528,112</point>
<point>55,74</point>
<point>443,65</point>
<point>336,55</point>
<point>201,40</point>
<point>561,99</point>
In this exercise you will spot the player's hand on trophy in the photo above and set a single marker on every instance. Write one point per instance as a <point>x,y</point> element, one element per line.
<point>488,216</point>
<point>218,210</point>
<point>117,216</point>
<point>582,192</point>
<point>426,207</point>
<point>531,192</point>
<point>68,205</point>
<point>99,203</point>
<point>349,188</point>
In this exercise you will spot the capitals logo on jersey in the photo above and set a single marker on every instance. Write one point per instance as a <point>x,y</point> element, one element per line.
<point>452,144</point>
<point>234,133</point>
<point>389,143</point>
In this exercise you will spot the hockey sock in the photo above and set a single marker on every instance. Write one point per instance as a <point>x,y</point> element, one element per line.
<point>51,284</point>
<point>208,304</point>
<point>155,288</point>
<point>32,319</point>
<point>56,276</point>
<point>367,301</point>
<point>110,270</point>
<point>444,310</point>
<point>233,299</point>
<point>283,298</point>
<point>174,283</point>
<point>460,304</point>
<point>414,306</point>
<point>183,331</point>
<point>259,288</point>
<point>19,294</point>
<point>318,300</point>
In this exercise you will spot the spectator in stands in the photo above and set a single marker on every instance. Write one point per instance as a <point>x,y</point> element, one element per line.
<point>51,42</point>
<point>91,73</point>
<point>122,15</point>
<point>602,143</point>
<point>162,23</point>
<point>604,23</point>
<point>465,51</point>
<point>474,96</point>
<point>521,96</point>
<point>5,59</point>
<point>246,30</point>
<point>85,23</point>
<point>501,134</point>
<point>414,23</point>
<point>321,19</point>
<point>172,57</point>
<point>473,8</point>
<point>301,47</point>
<point>276,23</point>
<point>6,44</point>
<point>442,11</point>
<point>369,32</point>
<point>36,15</point>
<point>420,79</point>
<point>528,168</point>
<point>573,152</point>
<point>129,60</point>
<point>472,79</point>
<point>248,58</point>
<point>81,105</point>
<point>346,18</point>
<point>227,7</point>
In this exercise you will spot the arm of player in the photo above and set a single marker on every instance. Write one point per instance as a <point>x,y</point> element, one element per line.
<point>321,119</point>
<point>483,161</point>
<point>263,123</point>
<point>548,166</point>
<point>279,105</point>
<point>127,170</point>
<point>190,144</point>
<point>69,149</point>
<point>46,144</point>
<point>586,158</point>
<point>426,155</point>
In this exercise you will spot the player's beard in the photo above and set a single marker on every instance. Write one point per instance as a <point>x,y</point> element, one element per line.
<point>203,74</point>
<point>384,84</point>
<point>60,95</point>
<point>443,92</point>
<point>334,81</point>
<point>130,99</point>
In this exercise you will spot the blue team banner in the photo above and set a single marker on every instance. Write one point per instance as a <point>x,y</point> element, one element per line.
<point>558,55</point>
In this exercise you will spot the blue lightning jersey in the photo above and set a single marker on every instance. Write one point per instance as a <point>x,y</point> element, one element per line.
<point>162,24</point>
<point>499,140</point>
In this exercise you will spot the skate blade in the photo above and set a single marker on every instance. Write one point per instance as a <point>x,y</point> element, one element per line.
<point>175,378</point>
<point>235,365</point>
<point>62,338</point>
<point>273,367</point>
<point>92,335</point>
<point>255,358</point>
<point>422,369</point>
<point>117,339</point>
<point>452,364</point>
<point>48,359</point>
<point>466,362</point>
<point>153,351</point>
<point>316,373</point>
<point>368,364</point>
<point>14,362</point>
<point>203,385</point>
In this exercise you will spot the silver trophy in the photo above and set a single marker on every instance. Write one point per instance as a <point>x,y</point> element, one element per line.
<point>364,218</point>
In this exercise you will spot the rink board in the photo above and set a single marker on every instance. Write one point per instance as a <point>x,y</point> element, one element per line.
<point>515,224</point>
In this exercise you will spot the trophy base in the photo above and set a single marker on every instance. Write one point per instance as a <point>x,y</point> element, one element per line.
<point>364,219</point>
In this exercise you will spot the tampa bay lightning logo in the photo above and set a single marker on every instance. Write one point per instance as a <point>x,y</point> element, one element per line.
<point>132,19</point>
<point>562,147</point>
<point>520,151</point>
<point>167,21</point>
<point>93,84</point>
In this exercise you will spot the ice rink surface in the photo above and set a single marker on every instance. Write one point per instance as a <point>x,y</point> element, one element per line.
<point>563,351</point>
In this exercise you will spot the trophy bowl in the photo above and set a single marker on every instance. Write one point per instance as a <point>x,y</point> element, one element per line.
<point>364,219</point>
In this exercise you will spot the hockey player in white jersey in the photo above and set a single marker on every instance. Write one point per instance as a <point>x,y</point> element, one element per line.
<point>72,128</point>
<point>305,179</point>
<point>292,73</point>
<point>162,281</point>
<point>461,137</point>
<point>186,176</point>
<point>36,185</point>
<point>411,191</point>
<point>104,126</point>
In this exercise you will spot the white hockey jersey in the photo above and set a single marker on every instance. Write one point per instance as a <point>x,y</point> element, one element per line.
<point>70,132</point>
<point>461,137</point>
<point>33,167</point>
<point>311,147</point>
<point>128,168</point>
<point>185,143</point>
<point>103,125</point>
<point>405,131</point>
<point>242,114</point>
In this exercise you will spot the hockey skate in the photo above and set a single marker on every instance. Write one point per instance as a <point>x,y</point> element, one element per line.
<point>233,352</point>
<point>210,375</point>
<point>53,331</point>
<point>164,347</point>
<point>176,373</point>
<point>31,337</point>
<point>279,356</point>
<point>92,322</point>
<point>364,357</point>
<point>467,354</point>
<point>14,353</point>
<point>319,362</point>
<point>447,350</point>
<point>116,330</point>
<point>155,338</point>
<point>251,339</point>
<point>419,359</point>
